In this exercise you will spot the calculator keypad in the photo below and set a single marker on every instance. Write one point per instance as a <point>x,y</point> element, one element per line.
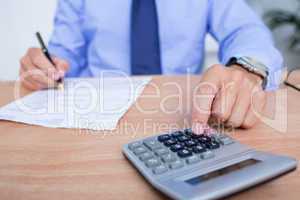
<point>174,151</point>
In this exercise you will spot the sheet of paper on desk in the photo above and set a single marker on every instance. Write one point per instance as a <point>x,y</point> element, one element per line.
<point>95,104</point>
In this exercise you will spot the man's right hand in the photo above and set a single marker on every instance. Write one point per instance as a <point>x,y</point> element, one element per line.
<point>37,72</point>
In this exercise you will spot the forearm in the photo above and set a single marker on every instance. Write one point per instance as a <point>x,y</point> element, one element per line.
<point>241,32</point>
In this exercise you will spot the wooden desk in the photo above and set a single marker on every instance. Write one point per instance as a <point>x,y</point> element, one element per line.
<point>42,163</point>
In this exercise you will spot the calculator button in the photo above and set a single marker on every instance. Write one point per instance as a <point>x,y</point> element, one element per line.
<point>184,153</point>
<point>188,132</point>
<point>164,137</point>
<point>152,144</point>
<point>226,141</point>
<point>212,145</point>
<point>183,138</point>
<point>161,151</point>
<point>170,142</point>
<point>193,159</point>
<point>189,148</point>
<point>176,165</point>
<point>168,158</point>
<point>146,156</point>
<point>139,150</point>
<point>160,169</point>
<point>195,136</point>
<point>176,147</point>
<point>177,134</point>
<point>204,139</point>
<point>198,149</point>
<point>220,135</point>
<point>153,162</point>
<point>207,155</point>
<point>134,145</point>
<point>190,143</point>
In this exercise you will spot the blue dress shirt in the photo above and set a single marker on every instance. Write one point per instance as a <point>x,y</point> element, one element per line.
<point>94,35</point>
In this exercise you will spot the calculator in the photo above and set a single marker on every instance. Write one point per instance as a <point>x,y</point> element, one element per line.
<point>188,166</point>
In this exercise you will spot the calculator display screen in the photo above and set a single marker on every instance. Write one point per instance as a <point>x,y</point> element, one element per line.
<point>223,171</point>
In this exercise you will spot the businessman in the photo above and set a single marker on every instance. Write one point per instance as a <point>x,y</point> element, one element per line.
<point>141,37</point>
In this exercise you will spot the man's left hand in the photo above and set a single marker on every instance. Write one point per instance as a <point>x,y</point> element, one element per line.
<point>232,95</point>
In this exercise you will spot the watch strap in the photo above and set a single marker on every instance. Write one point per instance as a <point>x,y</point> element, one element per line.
<point>252,66</point>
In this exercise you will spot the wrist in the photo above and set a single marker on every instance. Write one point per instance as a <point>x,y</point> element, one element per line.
<point>252,66</point>
<point>257,78</point>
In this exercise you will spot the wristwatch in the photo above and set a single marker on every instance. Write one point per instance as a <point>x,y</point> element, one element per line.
<point>253,66</point>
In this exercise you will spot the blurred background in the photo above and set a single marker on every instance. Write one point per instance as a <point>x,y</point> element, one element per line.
<point>19,20</point>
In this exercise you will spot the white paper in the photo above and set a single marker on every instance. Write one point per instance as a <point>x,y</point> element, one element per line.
<point>96,104</point>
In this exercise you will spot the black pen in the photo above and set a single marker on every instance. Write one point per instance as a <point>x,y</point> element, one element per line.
<point>47,54</point>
